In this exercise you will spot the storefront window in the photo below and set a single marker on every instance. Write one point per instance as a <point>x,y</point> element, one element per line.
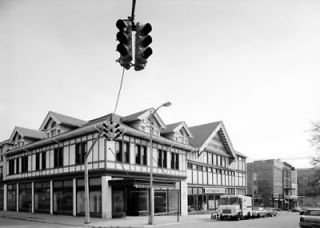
<point>42,197</point>
<point>12,197</point>
<point>160,201</point>
<point>63,197</point>
<point>94,197</point>
<point>137,202</point>
<point>25,197</point>
<point>192,203</point>
<point>173,200</point>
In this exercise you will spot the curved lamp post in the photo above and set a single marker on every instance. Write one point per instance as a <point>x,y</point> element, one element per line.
<point>151,189</point>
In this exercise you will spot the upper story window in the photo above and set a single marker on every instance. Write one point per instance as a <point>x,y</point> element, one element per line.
<point>174,160</point>
<point>81,149</point>
<point>24,164</point>
<point>141,154</point>
<point>122,151</point>
<point>18,141</point>
<point>37,161</point>
<point>145,126</point>
<point>162,158</point>
<point>58,157</point>
<point>43,160</point>
<point>17,165</point>
<point>53,129</point>
<point>11,167</point>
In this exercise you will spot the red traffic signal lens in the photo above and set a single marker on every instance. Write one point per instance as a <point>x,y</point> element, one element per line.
<point>122,25</point>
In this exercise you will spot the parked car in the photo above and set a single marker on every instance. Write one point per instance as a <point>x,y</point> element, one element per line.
<point>296,209</point>
<point>311,218</point>
<point>303,210</point>
<point>258,212</point>
<point>271,212</point>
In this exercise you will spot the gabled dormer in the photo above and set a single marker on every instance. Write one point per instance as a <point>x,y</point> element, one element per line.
<point>55,124</point>
<point>141,121</point>
<point>22,136</point>
<point>178,132</point>
<point>212,137</point>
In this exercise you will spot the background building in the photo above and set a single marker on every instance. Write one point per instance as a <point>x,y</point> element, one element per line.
<point>272,183</point>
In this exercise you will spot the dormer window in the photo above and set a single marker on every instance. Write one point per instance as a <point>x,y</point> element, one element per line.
<point>18,141</point>
<point>53,129</point>
<point>145,126</point>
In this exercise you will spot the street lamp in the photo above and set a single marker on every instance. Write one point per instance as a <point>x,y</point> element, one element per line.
<point>151,193</point>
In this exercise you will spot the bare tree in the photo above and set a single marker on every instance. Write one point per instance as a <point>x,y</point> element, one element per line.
<point>315,141</point>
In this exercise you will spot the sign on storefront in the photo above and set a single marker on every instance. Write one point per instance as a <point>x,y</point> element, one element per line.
<point>215,190</point>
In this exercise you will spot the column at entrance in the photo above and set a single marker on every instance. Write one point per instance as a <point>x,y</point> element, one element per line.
<point>184,197</point>
<point>106,197</point>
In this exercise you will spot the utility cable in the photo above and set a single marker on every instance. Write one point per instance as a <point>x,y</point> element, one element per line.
<point>115,108</point>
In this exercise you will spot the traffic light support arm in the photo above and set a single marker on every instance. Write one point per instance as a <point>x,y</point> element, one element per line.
<point>132,14</point>
<point>91,147</point>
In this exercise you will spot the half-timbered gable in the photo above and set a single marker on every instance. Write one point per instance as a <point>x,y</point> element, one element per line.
<point>23,136</point>
<point>143,120</point>
<point>178,132</point>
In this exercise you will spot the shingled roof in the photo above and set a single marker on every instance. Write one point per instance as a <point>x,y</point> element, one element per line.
<point>201,133</point>
<point>62,119</point>
<point>28,133</point>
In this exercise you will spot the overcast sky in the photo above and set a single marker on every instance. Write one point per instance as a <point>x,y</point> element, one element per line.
<point>252,64</point>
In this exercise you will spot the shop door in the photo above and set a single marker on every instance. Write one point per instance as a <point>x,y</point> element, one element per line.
<point>118,204</point>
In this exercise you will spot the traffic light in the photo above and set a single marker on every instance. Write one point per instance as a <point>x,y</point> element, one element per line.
<point>124,36</point>
<point>118,131</point>
<point>105,130</point>
<point>142,51</point>
<point>111,130</point>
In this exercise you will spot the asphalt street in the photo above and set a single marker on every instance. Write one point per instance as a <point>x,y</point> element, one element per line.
<point>285,220</point>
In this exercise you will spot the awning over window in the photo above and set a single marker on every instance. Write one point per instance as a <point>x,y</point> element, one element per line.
<point>143,183</point>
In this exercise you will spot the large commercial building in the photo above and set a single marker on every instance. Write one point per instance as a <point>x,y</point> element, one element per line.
<point>273,183</point>
<point>43,170</point>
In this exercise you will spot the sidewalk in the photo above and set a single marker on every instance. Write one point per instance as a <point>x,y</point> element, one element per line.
<point>127,222</point>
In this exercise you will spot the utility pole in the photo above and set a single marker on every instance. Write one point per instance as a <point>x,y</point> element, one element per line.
<point>111,131</point>
<point>151,187</point>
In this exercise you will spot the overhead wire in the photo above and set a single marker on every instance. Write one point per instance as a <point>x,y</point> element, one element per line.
<point>120,88</point>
